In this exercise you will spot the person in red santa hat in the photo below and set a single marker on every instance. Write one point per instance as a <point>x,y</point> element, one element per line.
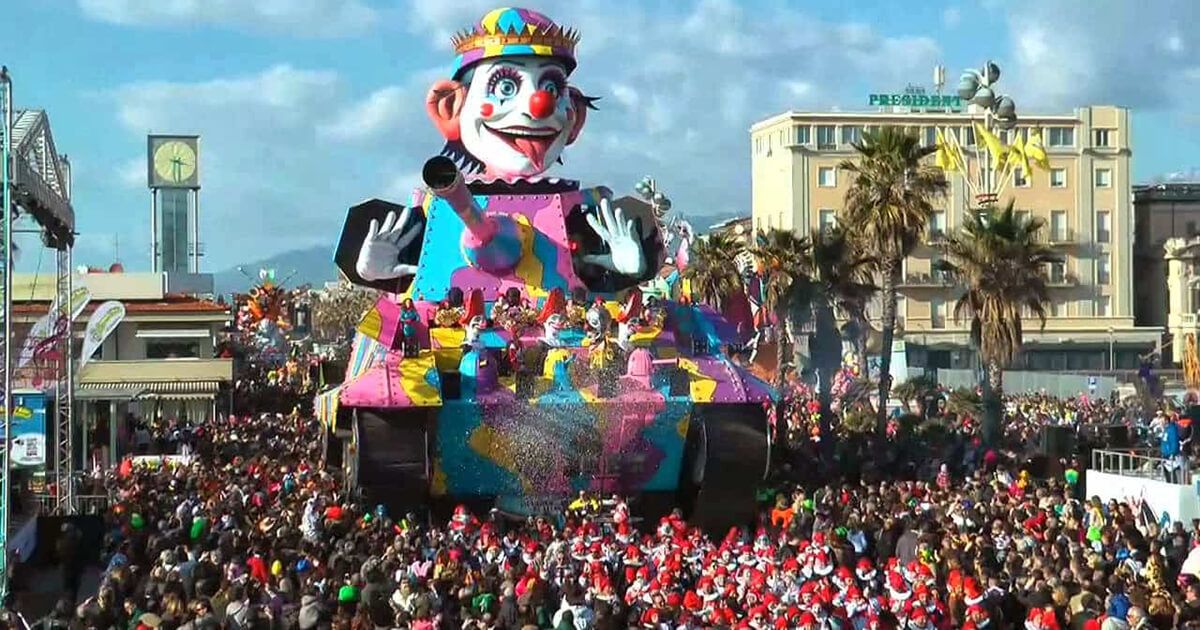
<point>972,593</point>
<point>822,563</point>
<point>463,522</point>
<point>918,619</point>
<point>978,617</point>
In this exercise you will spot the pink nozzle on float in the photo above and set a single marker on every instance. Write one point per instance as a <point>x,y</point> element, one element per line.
<point>444,179</point>
<point>490,243</point>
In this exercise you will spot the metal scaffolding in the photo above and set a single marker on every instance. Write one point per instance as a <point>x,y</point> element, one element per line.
<point>64,389</point>
<point>35,181</point>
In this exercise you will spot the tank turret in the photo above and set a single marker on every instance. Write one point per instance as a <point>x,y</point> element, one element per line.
<point>491,243</point>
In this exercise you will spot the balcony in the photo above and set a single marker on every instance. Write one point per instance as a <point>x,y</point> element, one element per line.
<point>936,279</point>
<point>1063,280</point>
<point>1060,237</point>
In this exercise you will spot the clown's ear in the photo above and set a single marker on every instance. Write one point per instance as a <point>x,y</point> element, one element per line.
<point>580,105</point>
<point>444,104</point>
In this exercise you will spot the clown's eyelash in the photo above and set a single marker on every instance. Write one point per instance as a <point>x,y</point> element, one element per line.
<point>503,72</point>
<point>558,78</point>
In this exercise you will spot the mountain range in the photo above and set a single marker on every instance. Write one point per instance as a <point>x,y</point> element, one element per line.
<point>314,265</point>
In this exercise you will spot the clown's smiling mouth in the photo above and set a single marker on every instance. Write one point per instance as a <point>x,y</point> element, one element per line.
<point>532,142</point>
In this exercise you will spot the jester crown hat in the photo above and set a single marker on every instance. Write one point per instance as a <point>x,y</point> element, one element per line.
<point>510,32</point>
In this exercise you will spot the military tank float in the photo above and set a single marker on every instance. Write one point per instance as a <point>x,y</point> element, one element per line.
<point>512,361</point>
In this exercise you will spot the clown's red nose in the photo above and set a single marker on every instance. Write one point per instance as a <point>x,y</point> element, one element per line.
<point>541,104</point>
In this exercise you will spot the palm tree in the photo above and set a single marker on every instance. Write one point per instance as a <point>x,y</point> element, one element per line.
<point>711,270</point>
<point>837,283</point>
<point>783,257</point>
<point>1000,261</point>
<point>887,208</point>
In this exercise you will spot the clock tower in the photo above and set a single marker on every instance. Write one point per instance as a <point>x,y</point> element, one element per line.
<point>173,175</point>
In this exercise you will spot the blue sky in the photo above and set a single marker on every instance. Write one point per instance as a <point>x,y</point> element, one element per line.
<point>309,106</point>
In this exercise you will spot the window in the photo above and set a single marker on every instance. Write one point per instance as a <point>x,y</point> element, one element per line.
<point>1019,179</point>
<point>172,349</point>
<point>1100,138</point>
<point>1104,306</point>
<point>828,219</point>
<point>1103,227</point>
<point>1058,309</point>
<point>1061,137</point>
<point>1103,178</point>
<point>1191,228</point>
<point>802,134</point>
<point>930,136</point>
<point>1058,272</point>
<point>937,313</point>
<point>966,136</point>
<point>937,225</point>
<point>1058,178</point>
<point>1103,269</point>
<point>826,177</point>
<point>851,134</point>
<point>1058,226</point>
<point>826,137</point>
<point>1023,216</point>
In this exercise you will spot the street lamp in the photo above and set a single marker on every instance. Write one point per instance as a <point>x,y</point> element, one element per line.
<point>6,125</point>
<point>648,190</point>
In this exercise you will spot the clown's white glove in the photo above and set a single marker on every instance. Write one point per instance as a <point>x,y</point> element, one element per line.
<point>380,253</point>
<point>623,241</point>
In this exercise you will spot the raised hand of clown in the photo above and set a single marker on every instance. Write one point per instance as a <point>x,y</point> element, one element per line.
<point>624,243</point>
<point>378,259</point>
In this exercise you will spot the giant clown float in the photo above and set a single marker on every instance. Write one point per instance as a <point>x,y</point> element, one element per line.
<point>512,361</point>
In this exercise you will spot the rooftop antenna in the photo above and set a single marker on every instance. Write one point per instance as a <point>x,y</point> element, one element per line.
<point>939,81</point>
<point>116,248</point>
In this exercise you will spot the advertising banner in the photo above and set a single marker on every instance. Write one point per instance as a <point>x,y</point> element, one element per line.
<point>102,323</point>
<point>51,323</point>
<point>28,439</point>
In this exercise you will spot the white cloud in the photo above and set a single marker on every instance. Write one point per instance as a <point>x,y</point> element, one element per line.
<point>377,114</point>
<point>625,95</point>
<point>313,18</point>
<point>1123,54</point>
<point>132,173</point>
<point>951,17</point>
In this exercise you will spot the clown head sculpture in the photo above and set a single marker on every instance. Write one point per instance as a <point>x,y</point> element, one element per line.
<point>508,110</point>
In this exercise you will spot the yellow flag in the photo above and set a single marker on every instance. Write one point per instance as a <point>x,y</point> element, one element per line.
<point>993,144</point>
<point>1035,151</point>
<point>943,158</point>
<point>1017,155</point>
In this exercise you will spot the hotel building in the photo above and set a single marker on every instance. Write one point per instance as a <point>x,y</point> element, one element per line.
<point>1084,198</point>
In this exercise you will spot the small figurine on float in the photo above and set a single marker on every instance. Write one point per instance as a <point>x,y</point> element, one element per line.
<point>576,310</point>
<point>629,320</point>
<point>552,331</point>
<point>409,318</point>
<point>450,311</point>
<point>597,322</point>
<point>474,337</point>
<point>512,312</point>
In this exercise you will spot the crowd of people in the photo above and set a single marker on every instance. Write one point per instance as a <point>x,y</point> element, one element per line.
<point>254,532</point>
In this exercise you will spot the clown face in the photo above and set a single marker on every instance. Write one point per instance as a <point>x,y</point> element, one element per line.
<point>517,115</point>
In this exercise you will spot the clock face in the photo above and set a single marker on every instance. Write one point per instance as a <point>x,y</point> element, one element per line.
<point>174,162</point>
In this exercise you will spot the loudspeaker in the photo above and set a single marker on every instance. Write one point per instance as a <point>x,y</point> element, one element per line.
<point>393,459</point>
<point>1116,436</point>
<point>1057,441</point>
<point>734,461</point>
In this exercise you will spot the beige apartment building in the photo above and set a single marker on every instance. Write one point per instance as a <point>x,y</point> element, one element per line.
<point>1085,199</point>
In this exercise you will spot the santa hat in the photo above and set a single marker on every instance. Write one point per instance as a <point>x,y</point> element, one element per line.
<point>821,565</point>
<point>898,587</point>
<point>974,594</point>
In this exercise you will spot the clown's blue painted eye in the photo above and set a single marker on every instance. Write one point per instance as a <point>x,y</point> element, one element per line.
<point>504,83</point>
<point>553,82</point>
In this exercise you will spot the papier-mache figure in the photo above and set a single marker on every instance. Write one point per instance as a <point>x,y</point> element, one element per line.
<point>506,113</point>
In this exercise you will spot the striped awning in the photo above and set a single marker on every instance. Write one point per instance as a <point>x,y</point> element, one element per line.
<point>161,390</point>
